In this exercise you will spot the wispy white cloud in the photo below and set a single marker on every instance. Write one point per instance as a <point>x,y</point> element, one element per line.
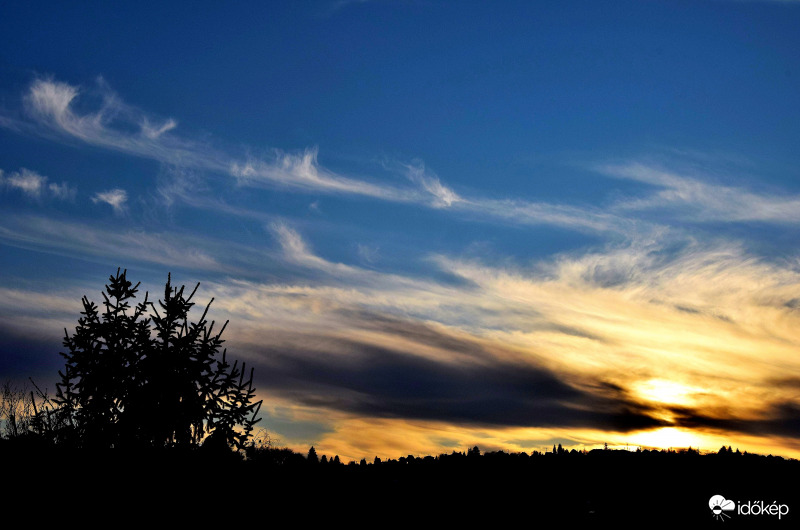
<point>302,171</point>
<point>524,212</point>
<point>61,191</point>
<point>51,100</point>
<point>367,253</point>
<point>29,182</point>
<point>297,251</point>
<point>35,185</point>
<point>442,196</point>
<point>51,106</point>
<point>691,198</point>
<point>154,131</point>
<point>114,243</point>
<point>116,198</point>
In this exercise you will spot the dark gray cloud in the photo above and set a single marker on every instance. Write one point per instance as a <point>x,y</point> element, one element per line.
<point>22,357</point>
<point>471,387</point>
<point>778,419</point>
<point>415,331</point>
<point>787,382</point>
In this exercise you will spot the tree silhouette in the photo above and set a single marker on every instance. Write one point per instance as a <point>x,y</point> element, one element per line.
<point>149,377</point>
<point>16,411</point>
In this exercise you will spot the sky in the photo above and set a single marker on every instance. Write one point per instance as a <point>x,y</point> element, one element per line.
<point>432,225</point>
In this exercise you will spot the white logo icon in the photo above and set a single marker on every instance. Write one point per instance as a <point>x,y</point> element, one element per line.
<point>719,505</point>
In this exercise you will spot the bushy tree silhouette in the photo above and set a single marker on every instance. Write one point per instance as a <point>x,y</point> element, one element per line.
<point>147,376</point>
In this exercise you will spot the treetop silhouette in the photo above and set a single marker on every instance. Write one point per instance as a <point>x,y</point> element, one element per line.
<point>147,376</point>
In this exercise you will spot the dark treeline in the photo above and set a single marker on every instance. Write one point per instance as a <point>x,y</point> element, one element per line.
<point>615,486</point>
<point>561,486</point>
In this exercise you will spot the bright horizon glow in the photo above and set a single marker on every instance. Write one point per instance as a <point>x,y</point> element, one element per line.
<point>669,438</point>
<point>663,391</point>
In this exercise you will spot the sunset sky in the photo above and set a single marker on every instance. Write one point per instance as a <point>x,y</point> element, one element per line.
<point>432,225</point>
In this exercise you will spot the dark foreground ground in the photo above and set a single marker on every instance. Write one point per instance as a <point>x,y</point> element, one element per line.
<point>623,489</point>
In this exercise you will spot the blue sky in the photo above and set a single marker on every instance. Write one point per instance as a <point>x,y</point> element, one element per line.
<point>432,225</point>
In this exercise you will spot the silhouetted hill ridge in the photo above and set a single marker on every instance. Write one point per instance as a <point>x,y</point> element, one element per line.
<point>578,487</point>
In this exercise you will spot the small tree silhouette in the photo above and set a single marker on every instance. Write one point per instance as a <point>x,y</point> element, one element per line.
<point>138,379</point>
<point>16,411</point>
